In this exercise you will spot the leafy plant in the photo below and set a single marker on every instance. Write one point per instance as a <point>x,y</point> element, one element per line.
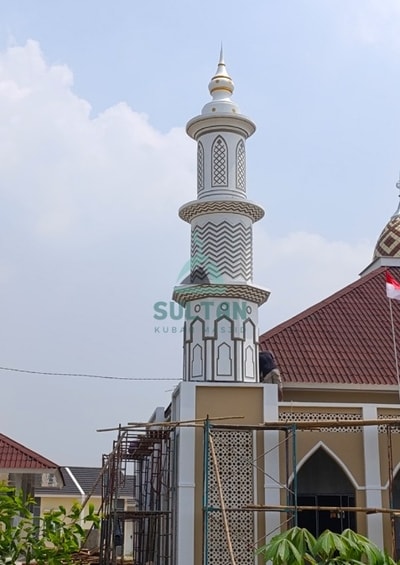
<point>297,546</point>
<point>54,540</point>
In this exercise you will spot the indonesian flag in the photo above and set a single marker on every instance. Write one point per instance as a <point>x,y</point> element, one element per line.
<point>392,287</point>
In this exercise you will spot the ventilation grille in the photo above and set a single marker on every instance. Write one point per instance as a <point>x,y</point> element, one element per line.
<point>395,429</point>
<point>289,417</point>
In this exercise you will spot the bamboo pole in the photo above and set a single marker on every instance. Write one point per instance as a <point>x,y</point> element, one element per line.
<point>283,424</point>
<point>280,425</point>
<point>391,499</point>
<point>222,502</point>
<point>284,508</point>
<point>133,425</point>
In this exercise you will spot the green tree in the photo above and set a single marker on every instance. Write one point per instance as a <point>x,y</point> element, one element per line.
<point>297,546</point>
<point>53,541</point>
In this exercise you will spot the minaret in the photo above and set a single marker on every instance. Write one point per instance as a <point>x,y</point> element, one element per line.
<point>220,300</point>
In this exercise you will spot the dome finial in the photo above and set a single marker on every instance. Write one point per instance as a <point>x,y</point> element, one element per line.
<point>221,88</point>
<point>397,213</point>
<point>388,244</point>
<point>221,84</point>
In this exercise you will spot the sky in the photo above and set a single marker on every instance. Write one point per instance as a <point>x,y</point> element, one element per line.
<point>95,162</point>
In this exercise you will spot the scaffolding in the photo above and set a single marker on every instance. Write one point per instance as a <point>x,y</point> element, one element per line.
<point>222,512</point>
<point>147,456</point>
<point>238,514</point>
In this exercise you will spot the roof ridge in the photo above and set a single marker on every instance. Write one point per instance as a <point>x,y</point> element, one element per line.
<point>83,467</point>
<point>321,304</point>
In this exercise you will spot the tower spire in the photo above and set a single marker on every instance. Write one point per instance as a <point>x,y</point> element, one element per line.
<point>221,87</point>
<point>220,300</point>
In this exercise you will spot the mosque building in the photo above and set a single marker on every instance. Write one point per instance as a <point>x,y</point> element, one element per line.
<point>240,457</point>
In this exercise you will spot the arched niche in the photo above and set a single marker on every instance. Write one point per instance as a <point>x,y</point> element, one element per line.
<point>323,482</point>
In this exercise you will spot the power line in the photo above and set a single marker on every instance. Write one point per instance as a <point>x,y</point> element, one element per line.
<point>86,375</point>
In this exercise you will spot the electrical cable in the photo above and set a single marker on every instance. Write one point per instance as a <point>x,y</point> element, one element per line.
<point>86,375</point>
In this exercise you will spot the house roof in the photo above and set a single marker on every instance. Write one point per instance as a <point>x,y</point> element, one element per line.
<point>15,456</point>
<point>86,477</point>
<point>345,339</point>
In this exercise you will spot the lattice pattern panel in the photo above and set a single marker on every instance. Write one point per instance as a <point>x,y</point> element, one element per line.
<point>382,429</point>
<point>234,452</point>
<point>289,417</point>
<point>219,162</point>
<point>200,167</point>
<point>241,166</point>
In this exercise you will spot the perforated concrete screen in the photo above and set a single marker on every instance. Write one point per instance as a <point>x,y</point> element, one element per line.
<point>234,453</point>
<point>318,416</point>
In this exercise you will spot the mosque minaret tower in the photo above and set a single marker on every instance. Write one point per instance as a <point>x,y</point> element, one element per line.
<point>220,300</point>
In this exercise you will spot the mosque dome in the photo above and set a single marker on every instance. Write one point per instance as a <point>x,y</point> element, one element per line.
<point>388,244</point>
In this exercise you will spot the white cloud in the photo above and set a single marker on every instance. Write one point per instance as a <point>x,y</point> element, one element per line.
<point>89,240</point>
<point>303,268</point>
<point>74,171</point>
<point>88,233</point>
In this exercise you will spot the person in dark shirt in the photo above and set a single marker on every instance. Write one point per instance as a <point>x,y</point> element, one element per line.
<point>269,372</point>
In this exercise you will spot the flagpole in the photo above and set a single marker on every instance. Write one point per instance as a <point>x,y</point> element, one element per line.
<point>394,346</point>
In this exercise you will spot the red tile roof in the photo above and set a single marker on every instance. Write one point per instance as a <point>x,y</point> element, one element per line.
<point>344,339</point>
<point>13,455</point>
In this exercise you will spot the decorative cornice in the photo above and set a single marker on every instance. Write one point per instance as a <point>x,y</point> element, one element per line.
<point>219,121</point>
<point>186,293</point>
<point>195,208</point>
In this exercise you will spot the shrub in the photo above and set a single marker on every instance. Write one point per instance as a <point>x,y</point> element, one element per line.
<point>52,541</point>
<point>297,546</point>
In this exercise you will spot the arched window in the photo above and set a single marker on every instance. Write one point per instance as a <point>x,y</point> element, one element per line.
<point>200,167</point>
<point>241,166</point>
<point>321,481</point>
<point>219,152</point>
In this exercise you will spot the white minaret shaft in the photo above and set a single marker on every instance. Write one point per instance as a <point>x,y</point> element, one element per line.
<point>221,303</point>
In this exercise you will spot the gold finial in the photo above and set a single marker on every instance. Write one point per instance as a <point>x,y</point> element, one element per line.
<point>397,213</point>
<point>221,83</point>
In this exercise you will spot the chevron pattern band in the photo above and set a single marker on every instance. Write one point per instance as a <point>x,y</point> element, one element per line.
<point>243,207</point>
<point>221,249</point>
<point>185,293</point>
